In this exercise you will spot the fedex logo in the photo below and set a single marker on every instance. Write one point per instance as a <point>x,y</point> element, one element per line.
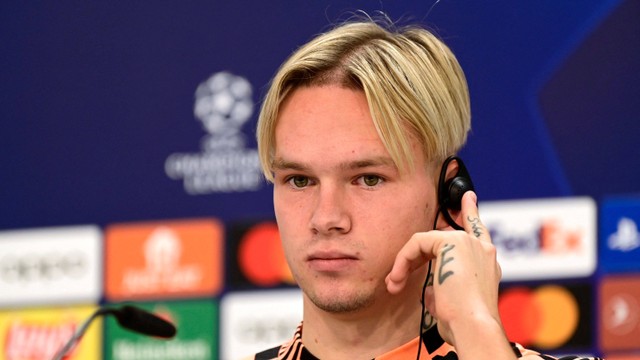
<point>543,239</point>
<point>549,237</point>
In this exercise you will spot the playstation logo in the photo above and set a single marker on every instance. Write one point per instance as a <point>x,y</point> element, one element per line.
<point>626,237</point>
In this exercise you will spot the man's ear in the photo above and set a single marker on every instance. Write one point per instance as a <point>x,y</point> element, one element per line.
<point>451,172</point>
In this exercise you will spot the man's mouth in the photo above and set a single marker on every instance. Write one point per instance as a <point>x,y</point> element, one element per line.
<point>331,261</point>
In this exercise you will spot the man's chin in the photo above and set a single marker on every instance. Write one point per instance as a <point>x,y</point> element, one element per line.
<point>347,305</point>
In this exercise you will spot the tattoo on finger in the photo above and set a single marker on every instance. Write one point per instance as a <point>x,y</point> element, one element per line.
<point>475,226</point>
<point>443,275</point>
<point>429,320</point>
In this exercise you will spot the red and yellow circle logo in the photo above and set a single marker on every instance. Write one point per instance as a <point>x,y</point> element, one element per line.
<point>546,317</point>
<point>261,258</point>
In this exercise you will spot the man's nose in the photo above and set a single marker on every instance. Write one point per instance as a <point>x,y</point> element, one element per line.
<point>330,214</point>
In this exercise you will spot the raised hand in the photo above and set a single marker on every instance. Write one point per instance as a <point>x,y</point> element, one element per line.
<point>466,274</point>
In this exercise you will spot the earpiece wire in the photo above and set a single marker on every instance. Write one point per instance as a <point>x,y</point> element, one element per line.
<point>424,290</point>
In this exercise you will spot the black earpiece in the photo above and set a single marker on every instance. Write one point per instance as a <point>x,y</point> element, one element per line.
<point>449,198</point>
<point>450,191</point>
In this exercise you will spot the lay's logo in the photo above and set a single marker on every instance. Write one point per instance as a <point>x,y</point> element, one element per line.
<point>37,341</point>
<point>164,259</point>
<point>40,333</point>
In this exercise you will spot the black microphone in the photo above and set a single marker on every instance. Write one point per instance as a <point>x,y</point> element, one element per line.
<point>129,317</point>
<point>143,322</point>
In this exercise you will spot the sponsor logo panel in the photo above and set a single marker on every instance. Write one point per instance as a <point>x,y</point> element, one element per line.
<point>623,356</point>
<point>196,339</point>
<point>50,265</point>
<point>256,256</point>
<point>543,239</point>
<point>254,321</point>
<point>164,259</point>
<point>40,333</point>
<point>548,316</point>
<point>619,234</point>
<point>620,312</point>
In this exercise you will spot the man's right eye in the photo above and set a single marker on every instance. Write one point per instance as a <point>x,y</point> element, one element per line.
<point>299,181</point>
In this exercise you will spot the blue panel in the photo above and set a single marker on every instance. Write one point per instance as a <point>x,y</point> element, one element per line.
<point>619,235</point>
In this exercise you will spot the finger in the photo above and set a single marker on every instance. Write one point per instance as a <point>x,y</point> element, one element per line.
<point>471,218</point>
<point>415,253</point>
<point>429,300</point>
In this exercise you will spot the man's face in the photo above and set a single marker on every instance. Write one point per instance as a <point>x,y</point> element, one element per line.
<point>343,208</point>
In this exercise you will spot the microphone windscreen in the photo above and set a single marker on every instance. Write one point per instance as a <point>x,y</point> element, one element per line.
<point>144,322</point>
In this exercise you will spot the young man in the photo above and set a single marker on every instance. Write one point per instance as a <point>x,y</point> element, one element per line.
<point>353,133</point>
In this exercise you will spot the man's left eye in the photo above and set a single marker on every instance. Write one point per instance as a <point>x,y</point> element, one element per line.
<point>371,180</point>
<point>299,181</point>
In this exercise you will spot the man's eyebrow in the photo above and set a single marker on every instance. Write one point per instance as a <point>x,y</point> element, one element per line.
<point>282,164</point>
<point>372,162</point>
<point>380,161</point>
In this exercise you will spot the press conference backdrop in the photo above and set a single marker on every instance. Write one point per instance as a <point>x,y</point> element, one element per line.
<point>129,173</point>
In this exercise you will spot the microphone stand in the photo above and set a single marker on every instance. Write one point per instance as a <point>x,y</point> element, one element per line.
<point>79,333</point>
<point>129,317</point>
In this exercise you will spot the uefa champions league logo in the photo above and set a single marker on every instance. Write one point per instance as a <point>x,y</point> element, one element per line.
<point>223,104</point>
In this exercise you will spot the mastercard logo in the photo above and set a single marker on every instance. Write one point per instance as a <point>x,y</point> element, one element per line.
<point>261,258</point>
<point>545,317</point>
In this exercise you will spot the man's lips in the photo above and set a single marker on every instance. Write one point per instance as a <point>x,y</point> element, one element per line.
<point>331,261</point>
<point>330,255</point>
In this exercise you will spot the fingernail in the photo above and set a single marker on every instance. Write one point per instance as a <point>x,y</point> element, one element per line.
<point>474,197</point>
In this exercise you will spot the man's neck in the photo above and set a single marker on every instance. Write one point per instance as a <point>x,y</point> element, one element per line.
<point>364,334</point>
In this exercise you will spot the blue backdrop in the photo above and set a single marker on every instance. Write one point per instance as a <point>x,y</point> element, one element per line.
<point>96,97</point>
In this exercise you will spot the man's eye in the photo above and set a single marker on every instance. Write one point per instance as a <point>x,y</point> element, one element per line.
<point>299,181</point>
<point>371,180</point>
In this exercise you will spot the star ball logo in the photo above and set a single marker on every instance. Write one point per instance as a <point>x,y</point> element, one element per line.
<point>223,104</point>
<point>257,256</point>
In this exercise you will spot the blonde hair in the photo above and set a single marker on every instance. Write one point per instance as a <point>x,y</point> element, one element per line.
<point>412,81</point>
